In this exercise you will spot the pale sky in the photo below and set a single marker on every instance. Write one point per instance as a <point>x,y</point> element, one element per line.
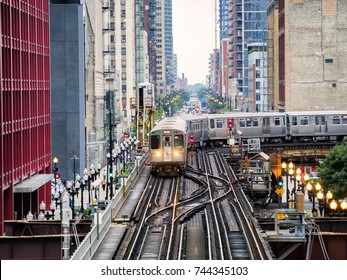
<point>193,37</point>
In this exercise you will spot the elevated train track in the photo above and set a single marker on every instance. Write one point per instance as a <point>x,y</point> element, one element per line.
<point>202,215</point>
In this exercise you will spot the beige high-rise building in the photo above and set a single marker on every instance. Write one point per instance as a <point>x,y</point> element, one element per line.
<point>313,54</point>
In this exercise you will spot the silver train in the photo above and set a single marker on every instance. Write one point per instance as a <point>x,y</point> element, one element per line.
<point>171,137</point>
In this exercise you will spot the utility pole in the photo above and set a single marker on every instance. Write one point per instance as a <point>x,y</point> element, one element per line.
<point>109,106</point>
<point>65,223</point>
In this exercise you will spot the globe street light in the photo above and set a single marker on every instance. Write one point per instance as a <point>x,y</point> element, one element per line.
<point>314,189</point>
<point>55,172</point>
<point>324,198</point>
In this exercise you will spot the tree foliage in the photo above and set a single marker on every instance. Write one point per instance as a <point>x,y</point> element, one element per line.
<point>333,170</point>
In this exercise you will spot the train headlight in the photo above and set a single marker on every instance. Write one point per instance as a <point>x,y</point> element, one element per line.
<point>176,153</point>
<point>158,153</point>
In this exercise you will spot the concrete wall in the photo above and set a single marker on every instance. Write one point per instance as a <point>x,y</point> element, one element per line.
<point>316,30</point>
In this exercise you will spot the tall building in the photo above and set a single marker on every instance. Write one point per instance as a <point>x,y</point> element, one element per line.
<point>247,25</point>
<point>125,56</point>
<point>150,28</point>
<point>258,100</point>
<point>235,45</point>
<point>168,50</point>
<point>160,47</point>
<point>25,114</point>
<point>68,86</point>
<point>94,54</point>
<point>223,19</point>
<point>275,104</point>
<point>142,61</point>
<point>214,70</point>
<point>312,54</point>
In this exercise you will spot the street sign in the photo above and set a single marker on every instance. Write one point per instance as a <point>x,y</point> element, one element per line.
<point>279,191</point>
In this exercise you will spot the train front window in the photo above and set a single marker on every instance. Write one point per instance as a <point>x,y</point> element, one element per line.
<point>178,141</point>
<point>155,142</point>
<point>219,123</point>
<point>167,141</point>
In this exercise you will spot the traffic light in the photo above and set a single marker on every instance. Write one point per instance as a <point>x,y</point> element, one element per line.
<point>280,182</point>
<point>191,139</point>
<point>56,175</point>
<point>230,123</point>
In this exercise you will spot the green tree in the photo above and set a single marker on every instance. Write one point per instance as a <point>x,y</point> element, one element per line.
<point>333,170</point>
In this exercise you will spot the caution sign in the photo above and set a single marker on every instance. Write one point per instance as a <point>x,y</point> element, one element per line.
<point>280,216</point>
<point>279,191</point>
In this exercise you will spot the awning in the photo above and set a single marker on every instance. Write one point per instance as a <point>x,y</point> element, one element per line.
<point>33,183</point>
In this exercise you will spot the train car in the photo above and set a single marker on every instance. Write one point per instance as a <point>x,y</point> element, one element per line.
<point>317,126</point>
<point>219,126</point>
<point>197,130</point>
<point>269,127</point>
<point>168,146</point>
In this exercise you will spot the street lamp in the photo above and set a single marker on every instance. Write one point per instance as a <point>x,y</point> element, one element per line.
<point>91,179</point>
<point>285,171</point>
<point>324,198</point>
<point>314,189</point>
<point>48,215</point>
<point>55,172</point>
<point>110,159</point>
<point>123,156</point>
<point>72,189</point>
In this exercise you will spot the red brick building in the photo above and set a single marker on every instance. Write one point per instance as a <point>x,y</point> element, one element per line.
<point>25,114</point>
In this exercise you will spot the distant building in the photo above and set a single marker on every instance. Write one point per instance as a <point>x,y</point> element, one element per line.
<point>258,99</point>
<point>214,70</point>
<point>181,83</point>
<point>247,24</point>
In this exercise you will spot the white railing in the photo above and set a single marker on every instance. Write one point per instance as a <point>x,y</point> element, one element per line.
<point>102,220</point>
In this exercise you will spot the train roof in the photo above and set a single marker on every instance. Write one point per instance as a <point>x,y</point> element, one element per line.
<point>176,123</point>
<point>245,114</point>
<point>316,113</point>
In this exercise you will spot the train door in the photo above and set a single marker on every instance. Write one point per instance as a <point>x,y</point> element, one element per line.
<point>320,124</point>
<point>167,148</point>
<point>266,125</point>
